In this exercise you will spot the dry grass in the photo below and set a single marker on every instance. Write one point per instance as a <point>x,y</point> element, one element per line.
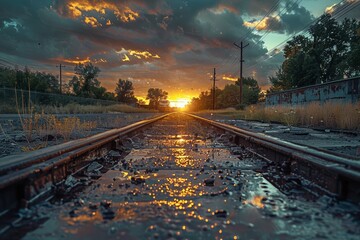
<point>43,125</point>
<point>67,126</point>
<point>40,121</point>
<point>345,116</point>
<point>74,108</point>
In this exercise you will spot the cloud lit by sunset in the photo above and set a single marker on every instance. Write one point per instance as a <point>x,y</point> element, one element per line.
<point>79,8</point>
<point>171,45</point>
<point>229,78</point>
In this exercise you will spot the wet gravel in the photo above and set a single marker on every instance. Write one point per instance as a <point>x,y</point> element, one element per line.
<point>184,180</point>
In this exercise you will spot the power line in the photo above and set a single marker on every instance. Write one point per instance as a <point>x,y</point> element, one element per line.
<point>249,32</point>
<point>272,9</point>
<point>296,2</point>
<point>336,16</point>
<point>241,47</point>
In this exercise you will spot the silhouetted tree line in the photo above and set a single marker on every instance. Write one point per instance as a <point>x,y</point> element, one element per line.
<point>330,52</point>
<point>26,79</point>
<point>228,97</point>
<point>83,84</point>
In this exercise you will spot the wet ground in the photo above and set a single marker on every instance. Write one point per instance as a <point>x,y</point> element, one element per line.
<point>184,180</point>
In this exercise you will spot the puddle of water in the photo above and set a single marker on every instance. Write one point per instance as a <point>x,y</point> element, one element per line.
<point>194,192</point>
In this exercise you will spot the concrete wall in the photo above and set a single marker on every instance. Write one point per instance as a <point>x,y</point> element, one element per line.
<point>347,90</point>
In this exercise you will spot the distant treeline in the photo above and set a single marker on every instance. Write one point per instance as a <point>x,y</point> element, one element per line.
<point>229,96</point>
<point>26,79</point>
<point>83,84</point>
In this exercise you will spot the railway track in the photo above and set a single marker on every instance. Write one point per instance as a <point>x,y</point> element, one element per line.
<point>179,176</point>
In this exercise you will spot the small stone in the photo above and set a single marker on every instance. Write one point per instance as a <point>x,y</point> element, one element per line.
<point>209,182</point>
<point>80,202</point>
<point>93,206</point>
<point>220,213</point>
<point>106,203</point>
<point>94,166</point>
<point>137,180</point>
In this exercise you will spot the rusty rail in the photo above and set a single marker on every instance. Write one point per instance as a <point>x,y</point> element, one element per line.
<point>22,175</point>
<point>336,175</point>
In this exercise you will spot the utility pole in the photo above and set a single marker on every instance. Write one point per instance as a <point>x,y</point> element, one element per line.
<point>241,47</point>
<point>214,80</point>
<point>60,77</point>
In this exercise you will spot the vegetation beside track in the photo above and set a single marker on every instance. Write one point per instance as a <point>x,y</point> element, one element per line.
<point>342,116</point>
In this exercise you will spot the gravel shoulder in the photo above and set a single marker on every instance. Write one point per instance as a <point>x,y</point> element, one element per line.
<point>13,139</point>
<point>342,143</point>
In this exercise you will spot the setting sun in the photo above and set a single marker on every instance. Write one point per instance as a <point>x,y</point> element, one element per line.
<point>179,103</point>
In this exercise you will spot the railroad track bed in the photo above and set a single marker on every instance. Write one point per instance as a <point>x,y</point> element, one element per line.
<point>181,179</point>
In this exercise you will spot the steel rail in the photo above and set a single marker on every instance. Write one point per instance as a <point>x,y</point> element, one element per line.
<point>25,176</point>
<point>23,160</point>
<point>30,170</point>
<point>251,136</point>
<point>337,175</point>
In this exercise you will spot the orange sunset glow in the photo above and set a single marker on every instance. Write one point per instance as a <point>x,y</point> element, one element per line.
<point>179,103</point>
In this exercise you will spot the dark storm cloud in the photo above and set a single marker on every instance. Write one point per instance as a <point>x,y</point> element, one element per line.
<point>289,18</point>
<point>189,36</point>
<point>296,18</point>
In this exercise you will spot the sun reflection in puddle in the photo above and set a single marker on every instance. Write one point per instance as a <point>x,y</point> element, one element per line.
<point>178,204</point>
<point>179,187</point>
<point>255,201</point>
<point>182,159</point>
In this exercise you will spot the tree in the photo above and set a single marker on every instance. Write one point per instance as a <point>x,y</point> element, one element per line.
<point>251,90</point>
<point>329,46</point>
<point>330,52</point>
<point>229,96</point>
<point>23,79</point>
<point>85,84</point>
<point>75,85</point>
<point>7,77</point>
<point>155,95</point>
<point>125,92</point>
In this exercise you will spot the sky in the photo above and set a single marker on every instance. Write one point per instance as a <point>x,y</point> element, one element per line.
<point>169,44</point>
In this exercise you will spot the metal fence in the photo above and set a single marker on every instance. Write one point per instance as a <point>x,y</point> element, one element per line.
<point>346,91</point>
<point>12,97</point>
